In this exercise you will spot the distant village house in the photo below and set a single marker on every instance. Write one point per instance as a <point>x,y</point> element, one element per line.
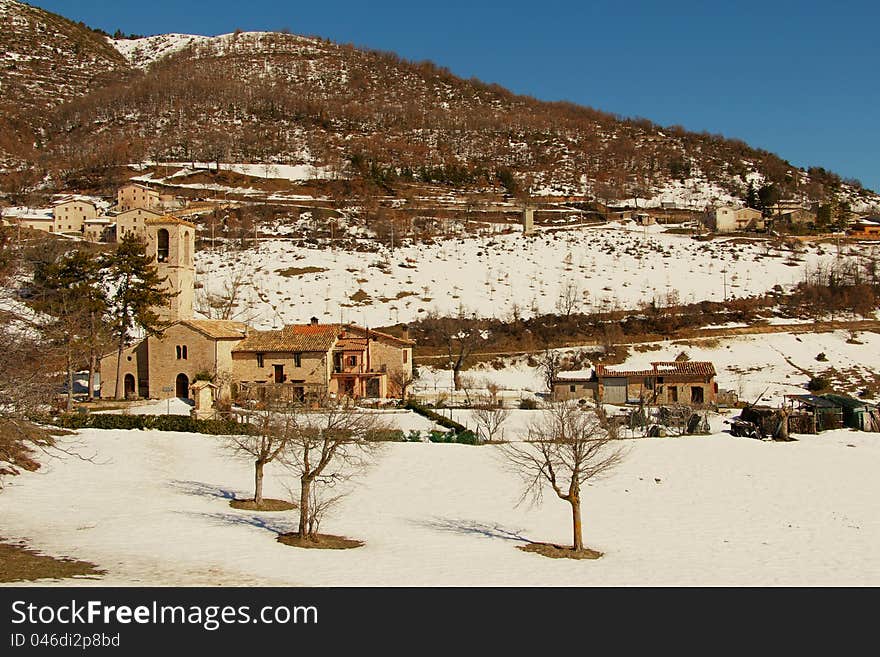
<point>684,382</point>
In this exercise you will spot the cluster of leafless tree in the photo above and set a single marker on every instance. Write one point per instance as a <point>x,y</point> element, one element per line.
<point>320,448</point>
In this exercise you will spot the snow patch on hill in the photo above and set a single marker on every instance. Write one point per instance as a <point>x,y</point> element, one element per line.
<point>143,52</point>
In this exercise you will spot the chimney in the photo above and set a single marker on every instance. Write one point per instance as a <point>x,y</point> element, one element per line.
<point>404,332</point>
<point>314,321</point>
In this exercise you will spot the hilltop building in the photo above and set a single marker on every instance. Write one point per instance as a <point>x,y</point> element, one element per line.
<point>727,219</point>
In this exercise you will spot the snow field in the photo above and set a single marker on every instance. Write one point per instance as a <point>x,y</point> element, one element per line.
<point>619,266</point>
<point>709,510</point>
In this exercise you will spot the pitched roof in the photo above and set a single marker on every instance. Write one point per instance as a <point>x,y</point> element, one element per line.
<point>378,334</point>
<point>295,338</point>
<point>700,368</point>
<point>167,219</point>
<point>219,329</point>
<point>137,184</point>
<point>664,368</point>
<point>351,344</point>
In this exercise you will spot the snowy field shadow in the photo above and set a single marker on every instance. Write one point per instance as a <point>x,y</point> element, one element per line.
<point>202,489</point>
<point>275,525</point>
<point>472,527</point>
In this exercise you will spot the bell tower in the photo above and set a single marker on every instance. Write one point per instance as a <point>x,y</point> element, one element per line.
<point>171,243</point>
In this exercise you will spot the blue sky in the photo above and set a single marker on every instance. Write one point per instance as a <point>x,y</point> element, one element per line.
<point>796,78</point>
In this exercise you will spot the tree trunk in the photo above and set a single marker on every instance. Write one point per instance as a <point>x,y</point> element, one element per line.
<point>93,366</point>
<point>118,392</point>
<point>69,381</point>
<point>456,377</point>
<point>578,539</point>
<point>93,357</point>
<point>305,485</point>
<point>258,482</point>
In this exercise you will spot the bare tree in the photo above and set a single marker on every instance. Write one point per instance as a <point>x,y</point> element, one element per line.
<point>566,448</point>
<point>401,379</point>
<point>489,418</point>
<point>569,299</point>
<point>327,446</point>
<point>550,364</point>
<point>459,336</point>
<point>225,303</point>
<point>265,445</point>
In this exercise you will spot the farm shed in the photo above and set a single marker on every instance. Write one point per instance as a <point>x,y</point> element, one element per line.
<point>856,413</point>
<point>823,413</point>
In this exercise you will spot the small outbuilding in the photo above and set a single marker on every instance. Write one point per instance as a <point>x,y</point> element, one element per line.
<point>822,413</point>
<point>856,413</point>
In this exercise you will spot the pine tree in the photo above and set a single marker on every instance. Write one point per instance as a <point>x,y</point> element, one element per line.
<point>752,197</point>
<point>69,291</point>
<point>135,292</point>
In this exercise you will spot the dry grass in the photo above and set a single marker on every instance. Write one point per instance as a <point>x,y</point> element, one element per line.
<point>18,563</point>
<point>559,551</point>
<point>268,504</point>
<point>300,271</point>
<point>320,541</point>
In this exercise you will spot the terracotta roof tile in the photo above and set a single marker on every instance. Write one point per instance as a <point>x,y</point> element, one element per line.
<point>664,368</point>
<point>290,339</point>
<point>220,329</point>
<point>168,219</point>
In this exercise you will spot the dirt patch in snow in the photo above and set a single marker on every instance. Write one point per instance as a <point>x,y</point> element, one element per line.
<point>300,271</point>
<point>559,551</point>
<point>19,563</point>
<point>267,504</point>
<point>320,541</point>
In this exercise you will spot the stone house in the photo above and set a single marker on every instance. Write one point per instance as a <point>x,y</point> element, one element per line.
<point>727,219</point>
<point>134,195</point>
<point>685,382</point>
<point>98,229</point>
<point>795,217</point>
<point>133,221</point>
<point>303,361</point>
<point>37,219</point>
<point>71,214</point>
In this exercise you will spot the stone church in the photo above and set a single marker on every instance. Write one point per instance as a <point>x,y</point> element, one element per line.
<point>298,362</point>
<point>167,366</point>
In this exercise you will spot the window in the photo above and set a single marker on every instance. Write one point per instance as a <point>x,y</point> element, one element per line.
<point>697,395</point>
<point>673,393</point>
<point>572,388</point>
<point>184,352</point>
<point>181,352</point>
<point>297,360</point>
<point>178,351</point>
<point>352,361</point>
<point>162,245</point>
<point>259,360</point>
<point>405,356</point>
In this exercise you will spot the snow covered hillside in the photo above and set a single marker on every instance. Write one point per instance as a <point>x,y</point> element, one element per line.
<point>716,510</point>
<point>614,266</point>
